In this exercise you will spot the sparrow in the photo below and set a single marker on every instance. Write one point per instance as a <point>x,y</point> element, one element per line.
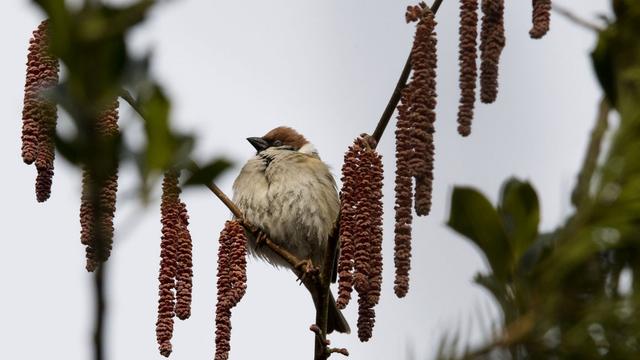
<point>290,194</point>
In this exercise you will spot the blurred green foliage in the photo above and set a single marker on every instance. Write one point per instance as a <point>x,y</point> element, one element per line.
<point>573,293</point>
<point>90,42</point>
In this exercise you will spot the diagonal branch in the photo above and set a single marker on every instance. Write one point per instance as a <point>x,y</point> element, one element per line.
<point>193,167</point>
<point>397,92</point>
<point>583,185</point>
<point>318,285</point>
<point>575,18</point>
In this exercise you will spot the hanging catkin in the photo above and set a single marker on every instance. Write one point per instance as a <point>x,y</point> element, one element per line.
<point>492,41</point>
<point>415,149</point>
<point>97,224</point>
<point>175,262</point>
<point>540,17</point>
<point>39,114</point>
<point>360,263</point>
<point>232,282</point>
<point>467,58</point>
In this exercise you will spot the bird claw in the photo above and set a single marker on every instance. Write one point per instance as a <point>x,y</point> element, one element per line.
<point>261,239</point>
<point>306,268</point>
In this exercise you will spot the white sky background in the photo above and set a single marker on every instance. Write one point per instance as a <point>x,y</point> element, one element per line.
<point>326,68</point>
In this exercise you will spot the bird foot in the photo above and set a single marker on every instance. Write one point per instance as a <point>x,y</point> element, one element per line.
<point>306,268</point>
<point>261,239</point>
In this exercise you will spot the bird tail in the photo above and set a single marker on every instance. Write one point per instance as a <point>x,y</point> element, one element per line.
<point>335,319</point>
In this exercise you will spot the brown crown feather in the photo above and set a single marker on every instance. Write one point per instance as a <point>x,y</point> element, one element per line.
<point>287,135</point>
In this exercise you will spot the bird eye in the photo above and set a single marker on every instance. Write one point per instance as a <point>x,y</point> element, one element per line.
<point>277,143</point>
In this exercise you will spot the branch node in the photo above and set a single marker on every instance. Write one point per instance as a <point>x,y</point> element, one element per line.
<point>341,351</point>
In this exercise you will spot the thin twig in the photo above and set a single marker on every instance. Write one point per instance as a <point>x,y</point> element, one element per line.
<point>575,18</point>
<point>583,185</point>
<point>282,252</point>
<point>397,92</point>
<point>317,285</point>
<point>100,308</point>
<point>126,96</point>
<point>193,167</point>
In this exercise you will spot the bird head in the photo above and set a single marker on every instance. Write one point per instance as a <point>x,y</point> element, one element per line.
<point>282,138</point>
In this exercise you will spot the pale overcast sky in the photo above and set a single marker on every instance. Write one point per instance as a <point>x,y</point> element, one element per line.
<point>327,68</point>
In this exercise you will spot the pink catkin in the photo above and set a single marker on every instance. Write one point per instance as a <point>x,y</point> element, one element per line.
<point>366,319</point>
<point>492,41</point>
<point>39,114</point>
<point>360,263</point>
<point>422,110</point>
<point>347,227</point>
<point>376,210</point>
<point>404,197</point>
<point>467,58</point>
<point>184,272</point>
<point>107,127</point>
<point>171,227</point>
<point>541,18</point>
<point>415,149</point>
<point>370,180</point>
<point>362,218</point>
<point>232,283</point>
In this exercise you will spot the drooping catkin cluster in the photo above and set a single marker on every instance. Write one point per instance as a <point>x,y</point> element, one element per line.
<point>39,114</point>
<point>492,41</point>
<point>468,33</point>
<point>184,273</point>
<point>98,200</point>
<point>541,18</point>
<point>175,262</point>
<point>232,282</point>
<point>360,262</point>
<point>415,149</point>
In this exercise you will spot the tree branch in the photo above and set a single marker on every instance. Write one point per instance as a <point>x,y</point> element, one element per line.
<point>98,331</point>
<point>315,284</point>
<point>581,191</point>
<point>318,285</point>
<point>575,18</point>
<point>193,167</point>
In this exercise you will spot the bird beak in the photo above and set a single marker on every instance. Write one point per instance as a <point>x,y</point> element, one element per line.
<point>258,143</point>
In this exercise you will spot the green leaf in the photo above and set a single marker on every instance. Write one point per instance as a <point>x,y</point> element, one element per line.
<point>161,144</point>
<point>164,148</point>
<point>473,216</point>
<point>496,288</point>
<point>536,253</point>
<point>520,213</point>
<point>603,64</point>
<point>208,173</point>
<point>69,149</point>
